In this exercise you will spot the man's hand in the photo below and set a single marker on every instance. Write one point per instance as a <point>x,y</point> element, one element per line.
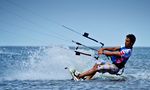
<point>100,51</point>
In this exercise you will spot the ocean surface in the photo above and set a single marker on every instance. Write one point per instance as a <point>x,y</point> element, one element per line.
<point>42,68</point>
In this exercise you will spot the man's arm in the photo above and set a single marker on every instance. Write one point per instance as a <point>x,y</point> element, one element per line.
<point>111,48</point>
<point>108,53</point>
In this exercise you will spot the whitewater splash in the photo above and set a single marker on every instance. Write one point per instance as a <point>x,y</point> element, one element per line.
<point>48,63</point>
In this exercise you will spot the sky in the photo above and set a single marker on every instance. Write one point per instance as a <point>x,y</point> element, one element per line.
<point>39,22</point>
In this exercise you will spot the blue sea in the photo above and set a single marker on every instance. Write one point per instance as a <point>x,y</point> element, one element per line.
<point>42,68</point>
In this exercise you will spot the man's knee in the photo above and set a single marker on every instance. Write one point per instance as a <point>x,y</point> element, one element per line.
<point>95,67</point>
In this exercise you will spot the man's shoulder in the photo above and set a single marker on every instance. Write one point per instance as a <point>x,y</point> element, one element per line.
<point>127,51</point>
<point>123,47</point>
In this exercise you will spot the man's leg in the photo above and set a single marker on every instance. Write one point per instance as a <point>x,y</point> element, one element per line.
<point>90,73</point>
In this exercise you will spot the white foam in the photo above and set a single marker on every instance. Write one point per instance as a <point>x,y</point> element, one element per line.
<point>49,64</point>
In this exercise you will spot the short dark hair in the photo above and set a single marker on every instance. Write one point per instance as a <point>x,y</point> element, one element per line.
<point>131,37</point>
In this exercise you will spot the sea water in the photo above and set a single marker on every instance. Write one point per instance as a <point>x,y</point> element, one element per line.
<point>42,68</point>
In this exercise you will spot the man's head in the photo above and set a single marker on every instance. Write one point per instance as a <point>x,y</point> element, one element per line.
<point>130,40</point>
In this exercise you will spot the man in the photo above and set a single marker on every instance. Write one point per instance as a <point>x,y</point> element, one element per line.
<point>119,57</point>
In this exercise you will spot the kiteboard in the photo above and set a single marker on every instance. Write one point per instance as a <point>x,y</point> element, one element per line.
<point>73,72</point>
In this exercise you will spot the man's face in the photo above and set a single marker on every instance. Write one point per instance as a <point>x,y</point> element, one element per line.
<point>128,43</point>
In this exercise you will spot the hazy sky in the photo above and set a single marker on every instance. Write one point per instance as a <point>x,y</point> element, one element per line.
<point>38,22</point>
